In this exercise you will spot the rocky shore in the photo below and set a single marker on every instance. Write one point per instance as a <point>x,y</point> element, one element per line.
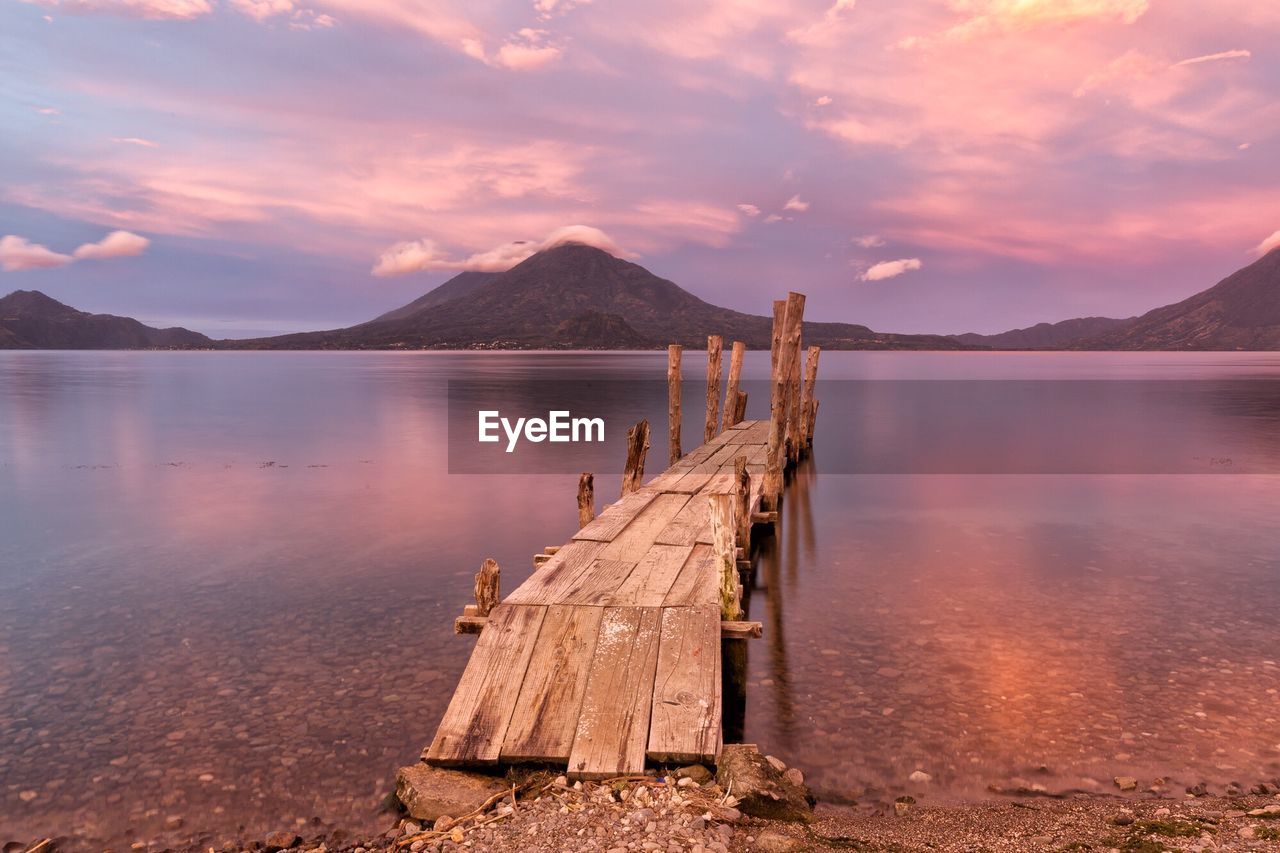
<point>754,802</point>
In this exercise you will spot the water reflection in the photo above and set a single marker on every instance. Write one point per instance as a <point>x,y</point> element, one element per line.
<point>227,584</point>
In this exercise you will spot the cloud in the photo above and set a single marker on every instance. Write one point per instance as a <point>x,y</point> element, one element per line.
<point>868,241</point>
<point>794,203</point>
<point>822,101</point>
<point>117,244</point>
<point>891,269</point>
<point>524,56</point>
<point>415,255</point>
<point>749,210</point>
<point>1267,245</point>
<point>48,111</point>
<point>260,10</point>
<point>547,9</point>
<point>153,10</point>
<point>135,140</point>
<point>994,17</point>
<point>1215,57</point>
<point>772,218</point>
<point>18,253</point>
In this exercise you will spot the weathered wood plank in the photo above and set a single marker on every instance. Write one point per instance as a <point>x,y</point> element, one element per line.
<point>695,586</point>
<point>546,715</point>
<point>685,722</point>
<point>476,720</point>
<point>613,726</point>
<point>544,585</point>
<point>655,574</point>
<point>613,520</point>
<point>685,529</point>
<point>631,544</point>
<point>599,584</point>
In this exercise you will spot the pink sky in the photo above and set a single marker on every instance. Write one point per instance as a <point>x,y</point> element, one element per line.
<point>916,166</point>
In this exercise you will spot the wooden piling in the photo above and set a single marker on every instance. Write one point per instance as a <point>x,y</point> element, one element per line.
<point>731,393</point>
<point>788,338</point>
<point>674,352</point>
<point>715,345</point>
<point>742,503</point>
<point>794,424</point>
<point>807,399</point>
<point>586,500</point>
<point>637,447</point>
<point>487,586</point>
<point>740,408</point>
<point>722,536</point>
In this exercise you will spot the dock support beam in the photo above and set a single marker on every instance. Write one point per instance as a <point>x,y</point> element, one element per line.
<point>787,335</point>
<point>586,499</point>
<point>673,402</point>
<point>731,416</point>
<point>715,345</point>
<point>637,447</point>
<point>808,405</point>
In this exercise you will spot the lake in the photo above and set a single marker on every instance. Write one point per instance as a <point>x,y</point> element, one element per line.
<point>228,580</point>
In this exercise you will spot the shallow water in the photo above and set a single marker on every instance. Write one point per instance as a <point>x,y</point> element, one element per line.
<point>227,580</point>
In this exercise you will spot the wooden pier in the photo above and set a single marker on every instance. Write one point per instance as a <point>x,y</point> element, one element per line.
<point>609,655</point>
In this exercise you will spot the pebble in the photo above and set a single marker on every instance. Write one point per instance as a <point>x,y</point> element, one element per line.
<point>919,777</point>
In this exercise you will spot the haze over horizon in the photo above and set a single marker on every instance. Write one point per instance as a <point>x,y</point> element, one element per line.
<point>246,167</point>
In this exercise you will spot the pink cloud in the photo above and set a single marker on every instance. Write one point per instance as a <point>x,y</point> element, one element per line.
<point>794,203</point>
<point>890,269</point>
<point>180,10</point>
<point>1267,245</point>
<point>261,10</point>
<point>416,255</point>
<point>18,253</point>
<point>117,244</point>
<point>1217,57</point>
<point>749,210</point>
<point>135,140</point>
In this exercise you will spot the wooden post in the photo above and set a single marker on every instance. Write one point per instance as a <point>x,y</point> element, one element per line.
<point>794,424</point>
<point>779,318</point>
<point>715,344</point>
<point>806,399</point>
<point>742,498</point>
<point>740,408</point>
<point>788,344</point>
<point>673,401</point>
<point>637,447</point>
<point>813,419</point>
<point>722,534</point>
<point>487,587</point>
<point>731,393</point>
<point>586,499</point>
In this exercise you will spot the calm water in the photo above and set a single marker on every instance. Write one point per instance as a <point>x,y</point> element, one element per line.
<point>227,581</point>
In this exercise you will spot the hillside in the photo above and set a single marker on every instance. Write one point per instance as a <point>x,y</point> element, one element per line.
<point>527,306</point>
<point>1046,335</point>
<point>31,320</point>
<point>1241,312</point>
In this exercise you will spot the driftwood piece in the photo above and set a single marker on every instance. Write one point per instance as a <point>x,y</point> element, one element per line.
<point>806,398</point>
<point>637,447</point>
<point>784,368</point>
<point>715,345</point>
<point>731,392</point>
<point>487,586</point>
<point>722,532</point>
<point>586,500</point>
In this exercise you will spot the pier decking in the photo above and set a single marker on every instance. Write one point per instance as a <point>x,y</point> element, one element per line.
<point>609,655</point>
<point>610,652</point>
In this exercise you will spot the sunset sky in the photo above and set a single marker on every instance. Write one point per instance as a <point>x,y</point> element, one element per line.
<point>243,167</point>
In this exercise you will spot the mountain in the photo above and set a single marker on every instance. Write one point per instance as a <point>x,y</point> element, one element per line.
<point>31,320</point>
<point>1241,312</point>
<point>461,284</point>
<point>529,305</point>
<point>594,330</point>
<point>1046,335</point>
